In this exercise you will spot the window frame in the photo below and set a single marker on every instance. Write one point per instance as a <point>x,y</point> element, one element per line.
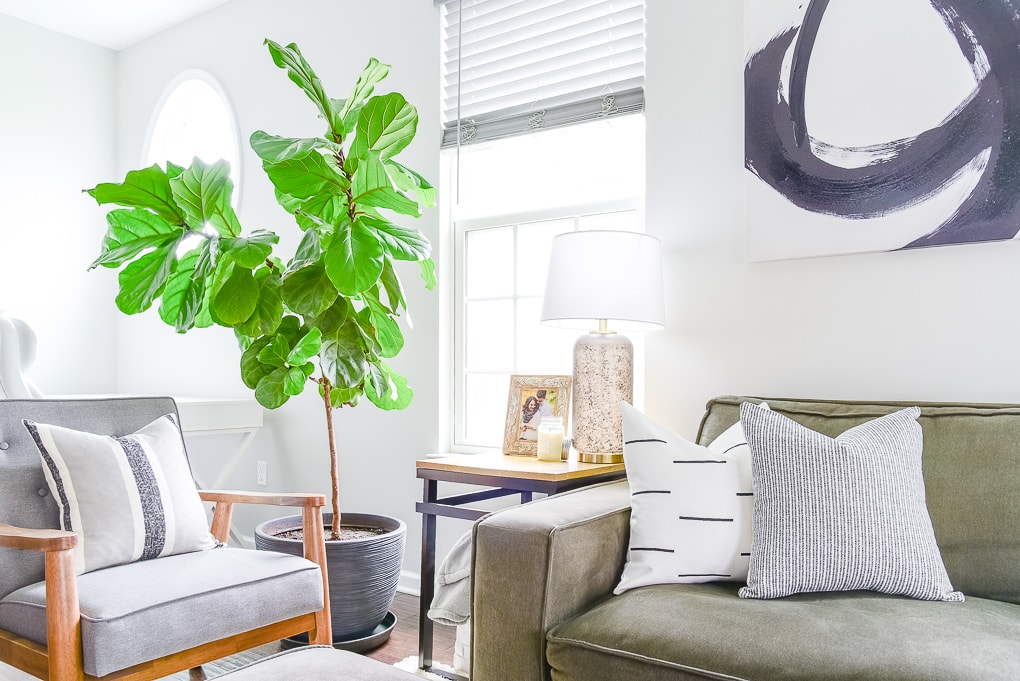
<point>209,79</point>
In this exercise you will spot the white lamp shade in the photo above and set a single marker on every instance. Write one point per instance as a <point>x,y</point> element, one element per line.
<point>602,274</point>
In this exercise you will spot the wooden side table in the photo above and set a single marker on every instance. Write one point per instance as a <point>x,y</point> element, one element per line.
<point>502,476</point>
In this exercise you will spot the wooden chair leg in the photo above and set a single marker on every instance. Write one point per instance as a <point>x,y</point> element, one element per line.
<point>63,619</point>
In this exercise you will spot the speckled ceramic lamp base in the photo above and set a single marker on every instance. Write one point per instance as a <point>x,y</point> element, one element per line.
<point>603,375</point>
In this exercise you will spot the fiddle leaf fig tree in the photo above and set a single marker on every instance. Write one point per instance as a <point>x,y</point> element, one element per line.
<point>328,314</point>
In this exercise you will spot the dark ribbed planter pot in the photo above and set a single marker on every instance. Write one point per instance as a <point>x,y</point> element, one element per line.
<point>363,573</point>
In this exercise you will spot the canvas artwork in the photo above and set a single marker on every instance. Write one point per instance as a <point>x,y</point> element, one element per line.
<point>873,125</point>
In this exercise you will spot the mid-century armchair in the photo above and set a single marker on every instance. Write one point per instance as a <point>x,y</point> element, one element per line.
<point>149,618</point>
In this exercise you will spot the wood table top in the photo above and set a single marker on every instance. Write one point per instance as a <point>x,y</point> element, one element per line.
<point>522,467</point>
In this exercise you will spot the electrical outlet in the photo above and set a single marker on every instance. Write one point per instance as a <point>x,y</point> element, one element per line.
<point>261,473</point>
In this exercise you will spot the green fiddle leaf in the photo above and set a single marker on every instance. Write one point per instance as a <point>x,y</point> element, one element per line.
<point>273,149</point>
<point>309,290</point>
<point>324,210</point>
<point>308,251</point>
<point>354,259</point>
<point>363,322</point>
<point>394,289</point>
<point>342,357</point>
<point>407,180</point>
<point>130,232</point>
<point>371,186</point>
<point>387,331</point>
<point>203,193</point>
<point>370,76</point>
<point>306,348</point>
<point>275,354</point>
<point>294,381</point>
<point>173,170</point>
<point>306,176</point>
<point>301,73</point>
<point>236,299</point>
<point>269,308</point>
<point>182,297</point>
<point>344,397</point>
<point>250,251</point>
<point>143,280</point>
<point>428,272</point>
<point>387,389</point>
<point>333,318</point>
<point>271,389</point>
<point>146,188</point>
<point>252,369</point>
<point>386,124</point>
<point>401,243</point>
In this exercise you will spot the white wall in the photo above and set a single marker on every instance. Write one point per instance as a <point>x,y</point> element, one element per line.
<point>377,449</point>
<point>936,324</point>
<point>57,137</point>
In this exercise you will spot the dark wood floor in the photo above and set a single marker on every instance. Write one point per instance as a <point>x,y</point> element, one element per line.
<point>403,643</point>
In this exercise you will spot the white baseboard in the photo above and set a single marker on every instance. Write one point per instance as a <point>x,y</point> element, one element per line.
<point>410,583</point>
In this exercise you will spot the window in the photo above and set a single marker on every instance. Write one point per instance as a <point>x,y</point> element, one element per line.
<point>193,119</point>
<point>535,144</point>
<point>515,197</point>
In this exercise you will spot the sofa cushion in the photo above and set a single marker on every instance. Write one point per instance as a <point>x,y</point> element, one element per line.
<point>142,611</point>
<point>970,453</point>
<point>679,631</point>
<point>128,498</point>
<point>690,505</point>
<point>843,513</point>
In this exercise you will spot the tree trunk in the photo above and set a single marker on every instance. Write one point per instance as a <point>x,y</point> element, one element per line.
<point>334,471</point>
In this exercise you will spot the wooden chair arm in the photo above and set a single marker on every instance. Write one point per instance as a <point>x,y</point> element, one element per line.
<point>36,540</point>
<point>267,498</point>
<point>63,619</point>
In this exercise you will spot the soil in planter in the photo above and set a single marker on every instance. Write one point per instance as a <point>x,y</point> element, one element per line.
<point>347,533</point>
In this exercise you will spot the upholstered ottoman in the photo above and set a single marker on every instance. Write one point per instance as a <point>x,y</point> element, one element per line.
<point>317,663</point>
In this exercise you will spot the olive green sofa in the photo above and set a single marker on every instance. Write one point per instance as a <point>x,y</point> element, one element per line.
<point>543,576</point>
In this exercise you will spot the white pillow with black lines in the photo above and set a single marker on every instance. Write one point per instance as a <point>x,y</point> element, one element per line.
<point>690,505</point>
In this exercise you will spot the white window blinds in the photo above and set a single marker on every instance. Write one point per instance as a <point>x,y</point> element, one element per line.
<point>511,67</point>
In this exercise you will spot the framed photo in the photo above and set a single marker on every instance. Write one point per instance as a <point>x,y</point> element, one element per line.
<point>531,399</point>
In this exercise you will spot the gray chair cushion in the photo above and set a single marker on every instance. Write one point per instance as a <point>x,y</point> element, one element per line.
<point>678,631</point>
<point>25,499</point>
<point>142,611</point>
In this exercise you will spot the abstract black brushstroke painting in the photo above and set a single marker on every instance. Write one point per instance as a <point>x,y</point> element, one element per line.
<point>954,181</point>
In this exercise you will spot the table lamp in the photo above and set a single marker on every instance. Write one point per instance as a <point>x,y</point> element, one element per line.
<point>595,277</point>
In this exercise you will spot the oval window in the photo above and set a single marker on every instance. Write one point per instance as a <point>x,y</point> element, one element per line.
<point>194,118</point>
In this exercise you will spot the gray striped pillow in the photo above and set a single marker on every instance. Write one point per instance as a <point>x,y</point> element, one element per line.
<point>840,514</point>
<point>129,498</point>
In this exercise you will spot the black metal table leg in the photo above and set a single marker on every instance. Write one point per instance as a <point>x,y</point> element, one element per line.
<point>428,576</point>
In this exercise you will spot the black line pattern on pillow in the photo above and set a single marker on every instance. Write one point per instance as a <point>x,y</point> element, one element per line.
<point>153,513</point>
<point>65,505</point>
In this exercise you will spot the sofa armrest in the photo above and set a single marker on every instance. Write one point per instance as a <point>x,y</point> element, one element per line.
<point>537,565</point>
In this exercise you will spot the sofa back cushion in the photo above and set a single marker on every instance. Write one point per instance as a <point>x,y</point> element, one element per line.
<point>971,465</point>
<point>25,499</point>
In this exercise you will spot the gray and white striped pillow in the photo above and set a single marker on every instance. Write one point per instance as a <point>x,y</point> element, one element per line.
<point>129,498</point>
<point>840,514</point>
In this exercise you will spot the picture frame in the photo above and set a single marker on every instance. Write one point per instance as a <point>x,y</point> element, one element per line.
<point>525,402</point>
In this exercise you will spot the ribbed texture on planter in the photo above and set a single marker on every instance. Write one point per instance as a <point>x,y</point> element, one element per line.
<point>363,573</point>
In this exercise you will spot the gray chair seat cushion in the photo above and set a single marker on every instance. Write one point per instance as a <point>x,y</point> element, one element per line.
<point>318,663</point>
<point>680,631</point>
<point>142,611</point>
